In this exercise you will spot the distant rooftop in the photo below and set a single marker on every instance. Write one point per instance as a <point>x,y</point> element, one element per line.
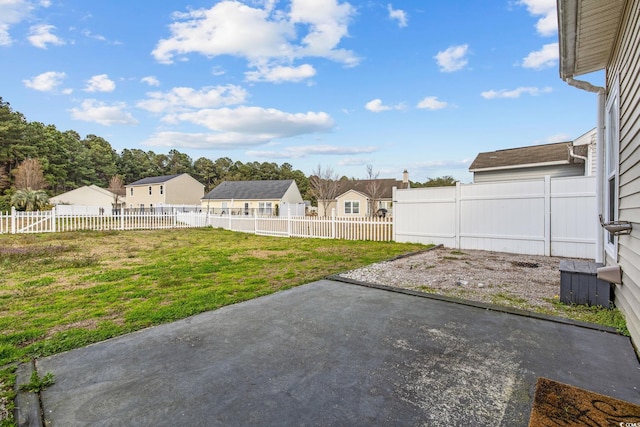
<point>556,153</point>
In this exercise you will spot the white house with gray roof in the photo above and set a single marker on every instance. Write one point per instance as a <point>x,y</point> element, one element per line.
<point>166,190</point>
<point>273,197</point>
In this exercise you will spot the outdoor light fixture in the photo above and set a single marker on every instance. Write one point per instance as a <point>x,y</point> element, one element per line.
<point>617,228</point>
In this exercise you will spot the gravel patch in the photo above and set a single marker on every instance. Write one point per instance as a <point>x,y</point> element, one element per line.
<point>520,281</point>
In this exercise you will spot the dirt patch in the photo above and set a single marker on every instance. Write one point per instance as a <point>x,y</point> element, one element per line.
<point>521,281</point>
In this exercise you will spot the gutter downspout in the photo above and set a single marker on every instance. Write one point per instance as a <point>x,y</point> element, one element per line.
<point>580,84</point>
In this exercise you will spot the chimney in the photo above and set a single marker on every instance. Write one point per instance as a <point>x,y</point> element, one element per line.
<point>405,177</point>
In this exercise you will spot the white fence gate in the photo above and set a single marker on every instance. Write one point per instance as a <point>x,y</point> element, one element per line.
<point>550,216</point>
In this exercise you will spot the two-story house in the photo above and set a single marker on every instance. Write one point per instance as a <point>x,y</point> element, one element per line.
<point>167,190</point>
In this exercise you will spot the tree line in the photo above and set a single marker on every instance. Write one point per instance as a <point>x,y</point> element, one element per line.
<point>69,161</point>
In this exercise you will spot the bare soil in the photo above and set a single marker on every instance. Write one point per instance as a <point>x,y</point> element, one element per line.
<point>521,281</point>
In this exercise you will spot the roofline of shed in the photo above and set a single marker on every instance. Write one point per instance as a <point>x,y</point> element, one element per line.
<point>526,165</point>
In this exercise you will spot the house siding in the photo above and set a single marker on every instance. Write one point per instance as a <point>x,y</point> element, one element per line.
<point>180,190</point>
<point>236,205</point>
<point>292,195</point>
<point>625,66</point>
<point>554,171</point>
<point>352,196</point>
<point>183,190</point>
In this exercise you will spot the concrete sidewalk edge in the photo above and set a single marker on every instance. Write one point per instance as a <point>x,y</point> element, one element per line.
<point>28,411</point>
<point>486,306</point>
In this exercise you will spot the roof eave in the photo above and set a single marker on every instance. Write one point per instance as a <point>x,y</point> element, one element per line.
<point>582,29</point>
<point>523,166</point>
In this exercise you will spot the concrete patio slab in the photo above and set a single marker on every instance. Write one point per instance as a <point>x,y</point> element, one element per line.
<point>334,354</point>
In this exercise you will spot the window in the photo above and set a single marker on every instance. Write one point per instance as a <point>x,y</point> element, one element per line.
<point>162,189</point>
<point>611,144</point>
<point>352,207</point>
<point>131,191</point>
<point>149,190</point>
<point>264,208</point>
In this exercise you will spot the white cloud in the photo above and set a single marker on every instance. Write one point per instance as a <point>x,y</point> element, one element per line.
<point>150,80</point>
<point>11,13</point>
<point>376,106</point>
<point>94,111</point>
<point>100,83</point>
<point>186,98</point>
<point>327,23</point>
<point>261,35</point>
<point>432,103</point>
<point>398,15</point>
<point>268,123</point>
<point>453,58</point>
<point>45,82</point>
<point>547,25</point>
<point>226,140</point>
<point>41,35</point>
<point>280,74</point>
<point>304,151</point>
<point>543,58</point>
<point>515,93</point>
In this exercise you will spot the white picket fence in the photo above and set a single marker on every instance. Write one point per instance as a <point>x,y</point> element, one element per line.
<point>550,216</point>
<point>377,229</point>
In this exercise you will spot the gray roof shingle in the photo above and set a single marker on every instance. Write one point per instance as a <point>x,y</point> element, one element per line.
<point>385,186</point>
<point>250,190</point>
<point>535,154</point>
<point>154,180</point>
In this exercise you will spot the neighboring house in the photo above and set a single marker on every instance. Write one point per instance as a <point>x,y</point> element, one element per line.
<point>560,159</point>
<point>272,197</point>
<point>89,199</point>
<point>594,36</point>
<point>159,191</point>
<point>363,197</point>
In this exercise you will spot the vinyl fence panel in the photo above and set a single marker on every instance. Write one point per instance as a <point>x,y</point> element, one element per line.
<point>426,215</point>
<point>550,216</point>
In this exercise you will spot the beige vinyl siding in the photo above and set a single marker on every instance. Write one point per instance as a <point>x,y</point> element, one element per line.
<point>330,206</point>
<point>292,195</point>
<point>141,195</point>
<point>625,65</point>
<point>182,190</point>
<point>352,196</point>
<point>236,204</point>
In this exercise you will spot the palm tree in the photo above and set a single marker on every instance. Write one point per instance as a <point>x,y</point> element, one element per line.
<point>29,200</point>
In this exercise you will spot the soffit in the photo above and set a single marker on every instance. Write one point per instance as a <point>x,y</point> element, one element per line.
<point>587,33</point>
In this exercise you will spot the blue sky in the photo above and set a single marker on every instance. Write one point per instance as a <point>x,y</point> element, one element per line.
<point>417,85</point>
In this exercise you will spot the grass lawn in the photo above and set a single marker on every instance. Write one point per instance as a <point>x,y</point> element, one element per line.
<point>63,291</point>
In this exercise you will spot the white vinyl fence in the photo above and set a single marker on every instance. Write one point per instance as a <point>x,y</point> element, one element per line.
<point>378,229</point>
<point>550,216</point>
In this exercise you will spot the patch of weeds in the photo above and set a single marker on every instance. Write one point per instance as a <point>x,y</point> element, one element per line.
<point>457,253</point>
<point>505,298</point>
<point>428,289</point>
<point>611,317</point>
<point>79,262</point>
<point>36,383</point>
